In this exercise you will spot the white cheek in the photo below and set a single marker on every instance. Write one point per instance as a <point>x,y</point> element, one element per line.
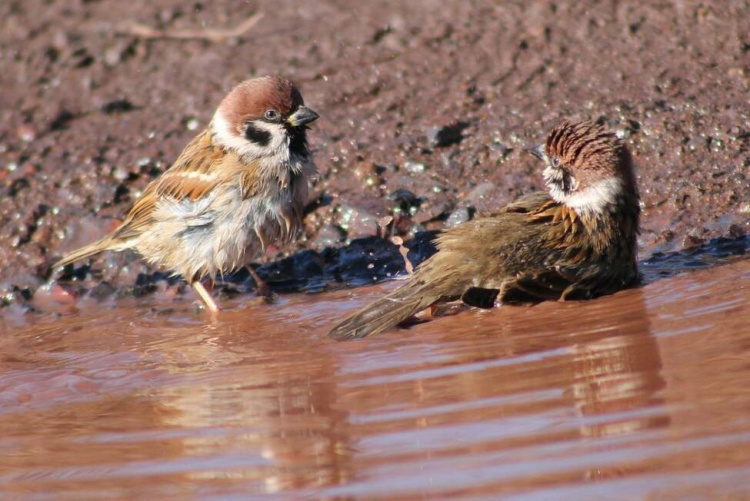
<point>553,179</point>
<point>595,198</point>
<point>228,138</point>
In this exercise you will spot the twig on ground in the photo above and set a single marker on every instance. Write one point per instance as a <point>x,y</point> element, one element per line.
<point>383,223</point>
<point>404,252</point>
<point>211,34</point>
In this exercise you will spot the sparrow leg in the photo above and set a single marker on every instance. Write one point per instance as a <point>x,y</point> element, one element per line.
<point>447,309</point>
<point>261,288</point>
<point>205,296</point>
<point>440,310</point>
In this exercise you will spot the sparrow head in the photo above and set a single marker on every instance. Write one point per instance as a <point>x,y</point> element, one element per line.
<point>263,117</point>
<point>586,167</point>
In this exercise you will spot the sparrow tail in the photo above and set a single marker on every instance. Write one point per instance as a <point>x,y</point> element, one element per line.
<point>83,253</point>
<point>396,307</point>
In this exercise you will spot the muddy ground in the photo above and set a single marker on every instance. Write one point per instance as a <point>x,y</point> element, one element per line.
<point>426,108</point>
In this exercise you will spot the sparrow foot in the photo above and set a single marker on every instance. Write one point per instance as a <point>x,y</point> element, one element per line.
<point>261,288</point>
<point>205,297</point>
<point>262,300</point>
<point>444,310</point>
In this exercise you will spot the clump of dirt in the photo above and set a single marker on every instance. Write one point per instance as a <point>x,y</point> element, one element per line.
<point>426,108</point>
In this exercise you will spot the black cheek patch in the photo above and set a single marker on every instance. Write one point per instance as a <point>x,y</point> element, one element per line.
<point>256,135</point>
<point>567,182</point>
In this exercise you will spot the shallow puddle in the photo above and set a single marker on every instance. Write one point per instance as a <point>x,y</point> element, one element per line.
<point>643,394</point>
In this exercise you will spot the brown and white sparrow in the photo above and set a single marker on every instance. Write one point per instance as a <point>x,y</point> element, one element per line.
<point>239,186</point>
<point>577,240</point>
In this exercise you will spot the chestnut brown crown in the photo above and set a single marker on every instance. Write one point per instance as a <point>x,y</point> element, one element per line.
<point>251,99</point>
<point>586,166</point>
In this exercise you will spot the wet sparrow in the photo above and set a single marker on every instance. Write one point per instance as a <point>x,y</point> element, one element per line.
<point>577,240</point>
<point>239,186</point>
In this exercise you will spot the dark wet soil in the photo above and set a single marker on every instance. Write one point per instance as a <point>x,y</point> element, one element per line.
<point>426,108</point>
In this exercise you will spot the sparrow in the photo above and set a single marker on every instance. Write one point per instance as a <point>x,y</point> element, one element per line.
<point>237,187</point>
<point>576,240</point>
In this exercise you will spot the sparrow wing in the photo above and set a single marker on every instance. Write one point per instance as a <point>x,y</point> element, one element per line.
<point>536,286</point>
<point>526,204</point>
<point>197,171</point>
<point>598,282</point>
<point>559,283</point>
<point>139,217</point>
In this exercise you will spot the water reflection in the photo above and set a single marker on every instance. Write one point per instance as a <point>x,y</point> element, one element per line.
<point>173,402</point>
<point>280,402</point>
<point>619,372</point>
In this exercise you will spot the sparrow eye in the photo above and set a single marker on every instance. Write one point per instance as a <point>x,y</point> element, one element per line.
<point>555,162</point>
<point>271,115</point>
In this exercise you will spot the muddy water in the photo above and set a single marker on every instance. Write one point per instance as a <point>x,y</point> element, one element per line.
<point>641,395</point>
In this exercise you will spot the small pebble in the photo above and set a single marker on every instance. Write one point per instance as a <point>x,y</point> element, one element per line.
<point>26,133</point>
<point>414,167</point>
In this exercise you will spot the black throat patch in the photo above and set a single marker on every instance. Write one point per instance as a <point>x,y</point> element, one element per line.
<point>298,141</point>
<point>256,135</point>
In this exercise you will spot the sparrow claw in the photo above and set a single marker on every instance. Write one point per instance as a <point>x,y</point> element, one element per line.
<point>261,300</point>
<point>261,288</point>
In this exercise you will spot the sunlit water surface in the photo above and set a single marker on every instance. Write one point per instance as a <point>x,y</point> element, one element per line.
<point>644,394</point>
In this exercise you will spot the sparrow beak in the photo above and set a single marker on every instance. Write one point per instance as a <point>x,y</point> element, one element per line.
<point>538,151</point>
<point>302,116</point>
